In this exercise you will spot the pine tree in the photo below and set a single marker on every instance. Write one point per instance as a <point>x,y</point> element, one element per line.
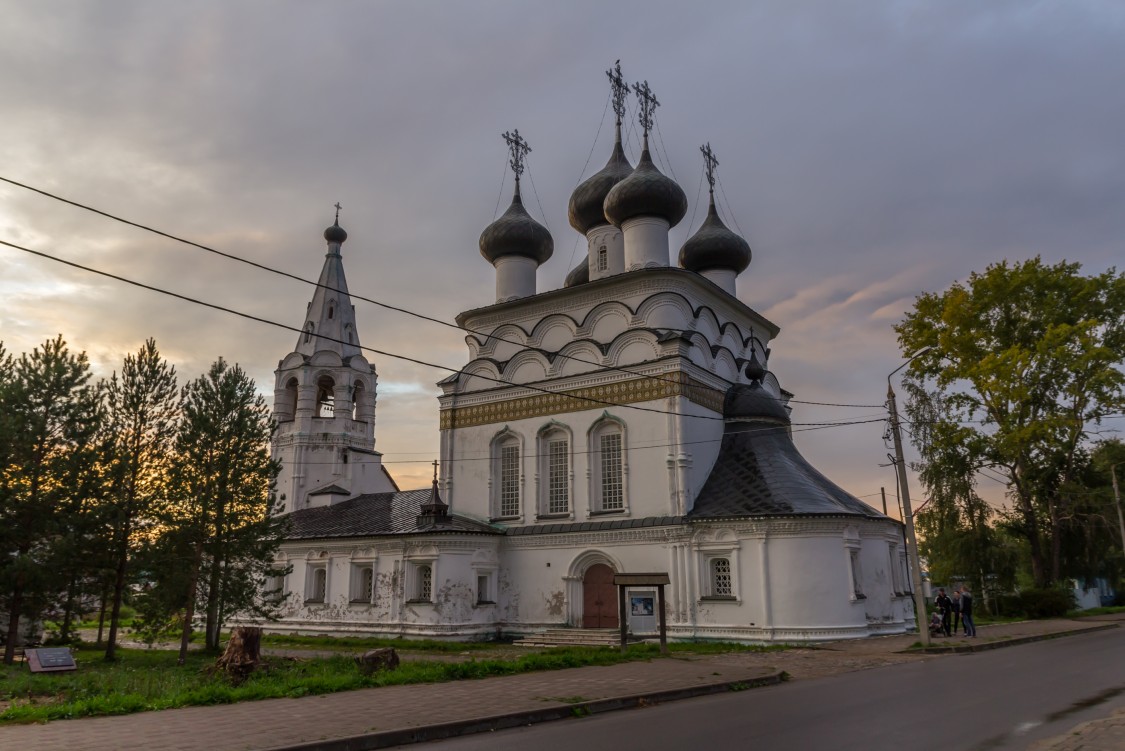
<point>225,511</point>
<point>143,408</point>
<point>49,413</point>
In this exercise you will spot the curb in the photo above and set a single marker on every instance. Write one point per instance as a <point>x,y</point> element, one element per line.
<point>426,733</point>
<point>987,646</point>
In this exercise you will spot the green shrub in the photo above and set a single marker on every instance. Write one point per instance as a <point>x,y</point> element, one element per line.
<point>1046,603</point>
<point>1009,605</point>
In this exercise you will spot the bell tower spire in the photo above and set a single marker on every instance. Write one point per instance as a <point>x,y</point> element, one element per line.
<point>324,399</point>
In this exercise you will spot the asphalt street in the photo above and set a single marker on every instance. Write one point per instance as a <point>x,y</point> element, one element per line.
<point>990,701</point>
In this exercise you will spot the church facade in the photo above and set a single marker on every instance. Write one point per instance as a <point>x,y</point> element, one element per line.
<point>625,423</point>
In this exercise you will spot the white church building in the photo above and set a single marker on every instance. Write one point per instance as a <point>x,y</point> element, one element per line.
<point>625,423</point>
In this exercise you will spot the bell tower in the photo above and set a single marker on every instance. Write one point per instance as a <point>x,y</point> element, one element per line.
<point>324,400</point>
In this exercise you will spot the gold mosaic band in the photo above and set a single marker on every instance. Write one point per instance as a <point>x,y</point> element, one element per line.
<point>676,383</point>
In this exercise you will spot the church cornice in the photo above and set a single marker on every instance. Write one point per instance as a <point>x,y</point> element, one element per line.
<point>664,279</point>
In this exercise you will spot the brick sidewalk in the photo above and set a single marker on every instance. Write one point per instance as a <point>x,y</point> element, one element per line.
<point>280,722</point>
<point>277,723</point>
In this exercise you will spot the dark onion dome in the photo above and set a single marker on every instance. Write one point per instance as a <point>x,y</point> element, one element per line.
<point>516,234</point>
<point>580,274</point>
<point>713,246</point>
<point>645,192</point>
<point>335,234</point>
<point>588,199</point>
<point>752,403</point>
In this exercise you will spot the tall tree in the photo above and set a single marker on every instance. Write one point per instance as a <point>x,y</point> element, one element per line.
<point>143,408</point>
<point>225,509</point>
<point>50,411</point>
<point>1026,357</point>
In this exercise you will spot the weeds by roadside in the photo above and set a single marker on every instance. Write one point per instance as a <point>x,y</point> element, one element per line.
<point>150,679</point>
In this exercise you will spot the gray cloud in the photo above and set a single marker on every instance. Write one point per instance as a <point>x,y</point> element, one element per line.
<point>869,153</point>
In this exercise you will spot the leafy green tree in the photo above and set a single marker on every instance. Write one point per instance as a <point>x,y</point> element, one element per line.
<point>225,512</point>
<point>1026,358</point>
<point>50,413</point>
<point>143,409</point>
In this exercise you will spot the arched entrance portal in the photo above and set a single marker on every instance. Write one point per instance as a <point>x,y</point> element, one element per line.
<point>599,598</point>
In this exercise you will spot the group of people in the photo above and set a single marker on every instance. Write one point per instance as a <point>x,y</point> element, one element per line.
<point>955,611</point>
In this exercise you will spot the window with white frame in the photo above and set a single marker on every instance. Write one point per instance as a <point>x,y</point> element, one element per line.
<point>558,476</point>
<point>896,572</point>
<point>603,258</point>
<point>424,583</point>
<point>316,584</point>
<point>857,574</point>
<point>506,481</point>
<point>363,582</point>
<point>484,589</point>
<point>721,582</point>
<point>510,479</point>
<point>718,569</point>
<point>607,466</point>
<point>273,589</point>
<point>610,475</point>
<point>554,470</point>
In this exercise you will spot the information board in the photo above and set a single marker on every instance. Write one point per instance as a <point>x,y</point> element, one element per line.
<point>50,660</point>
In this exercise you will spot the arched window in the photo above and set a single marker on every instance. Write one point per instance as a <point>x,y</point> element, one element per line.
<point>720,578</point>
<point>603,258</point>
<point>506,476</point>
<point>425,583</point>
<point>554,470</point>
<point>357,398</point>
<point>607,466</point>
<point>325,397</point>
<point>309,332</point>
<point>348,333</point>
<point>331,311</point>
<point>291,399</point>
<point>317,583</point>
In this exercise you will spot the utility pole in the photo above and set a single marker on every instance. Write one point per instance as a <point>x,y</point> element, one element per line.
<point>907,514</point>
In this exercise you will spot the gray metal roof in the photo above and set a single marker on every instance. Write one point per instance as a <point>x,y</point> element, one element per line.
<point>376,514</point>
<point>759,472</point>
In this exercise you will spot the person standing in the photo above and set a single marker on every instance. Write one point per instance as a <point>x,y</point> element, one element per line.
<point>945,606</point>
<point>967,612</point>
<point>956,610</point>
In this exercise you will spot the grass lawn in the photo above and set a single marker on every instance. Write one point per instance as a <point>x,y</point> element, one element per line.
<point>1096,611</point>
<point>144,679</point>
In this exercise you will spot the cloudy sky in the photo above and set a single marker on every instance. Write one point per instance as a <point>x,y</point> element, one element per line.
<point>868,151</point>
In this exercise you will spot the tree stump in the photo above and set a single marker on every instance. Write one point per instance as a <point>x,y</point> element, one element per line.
<point>375,660</point>
<point>242,654</point>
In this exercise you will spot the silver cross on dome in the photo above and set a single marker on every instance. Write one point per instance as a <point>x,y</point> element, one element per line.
<point>518,150</point>
<point>648,103</point>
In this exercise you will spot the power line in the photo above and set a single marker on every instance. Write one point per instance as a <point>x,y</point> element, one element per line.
<point>383,353</point>
<point>767,429</point>
<point>386,306</point>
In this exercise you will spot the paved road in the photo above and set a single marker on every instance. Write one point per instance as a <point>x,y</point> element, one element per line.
<point>991,701</point>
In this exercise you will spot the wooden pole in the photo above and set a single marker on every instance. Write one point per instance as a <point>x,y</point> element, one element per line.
<point>621,617</point>
<point>663,621</point>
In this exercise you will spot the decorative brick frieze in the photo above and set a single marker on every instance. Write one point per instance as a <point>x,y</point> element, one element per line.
<point>674,383</point>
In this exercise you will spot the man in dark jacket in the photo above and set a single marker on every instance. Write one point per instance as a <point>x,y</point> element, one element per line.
<point>967,611</point>
<point>945,606</point>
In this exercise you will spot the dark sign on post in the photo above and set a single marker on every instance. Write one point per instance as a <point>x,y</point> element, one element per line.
<point>52,660</point>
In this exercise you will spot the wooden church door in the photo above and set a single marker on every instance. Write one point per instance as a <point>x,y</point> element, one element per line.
<point>599,598</point>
